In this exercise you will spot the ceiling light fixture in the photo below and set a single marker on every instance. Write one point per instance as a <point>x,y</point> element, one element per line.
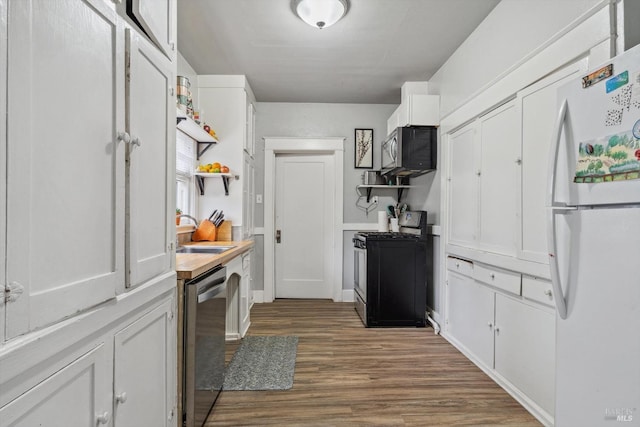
<point>320,13</point>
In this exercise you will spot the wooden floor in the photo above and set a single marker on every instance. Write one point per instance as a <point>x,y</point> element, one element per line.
<point>350,375</point>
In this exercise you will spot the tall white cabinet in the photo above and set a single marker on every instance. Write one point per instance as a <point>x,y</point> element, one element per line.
<point>229,104</point>
<point>499,307</point>
<point>88,154</point>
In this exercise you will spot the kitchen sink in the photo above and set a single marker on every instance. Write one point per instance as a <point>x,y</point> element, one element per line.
<point>193,249</point>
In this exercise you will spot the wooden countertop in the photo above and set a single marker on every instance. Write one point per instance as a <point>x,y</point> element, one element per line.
<point>189,266</point>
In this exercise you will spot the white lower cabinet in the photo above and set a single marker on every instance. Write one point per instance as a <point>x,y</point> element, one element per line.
<point>238,296</point>
<point>470,316</point>
<point>245,293</point>
<point>77,395</point>
<point>144,374</point>
<point>122,375</point>
<point>525,349</point>
<point>511,338</point>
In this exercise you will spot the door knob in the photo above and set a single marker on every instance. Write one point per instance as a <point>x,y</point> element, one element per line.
<point>121,398</point>
<point>103,419</point>
<point>278,235</point>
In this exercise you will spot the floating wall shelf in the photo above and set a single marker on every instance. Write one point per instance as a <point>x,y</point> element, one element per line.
<point>193,130</point>
<point>200,176</point>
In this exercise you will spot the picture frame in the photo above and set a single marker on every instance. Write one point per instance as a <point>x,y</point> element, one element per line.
<point>363,151</point>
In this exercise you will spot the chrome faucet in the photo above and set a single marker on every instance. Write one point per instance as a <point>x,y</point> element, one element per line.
<point>195,221</point>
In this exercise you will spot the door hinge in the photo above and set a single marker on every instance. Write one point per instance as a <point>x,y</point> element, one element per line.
<point>171,90</point>
<point>12,292</point>
<point>170,246</point>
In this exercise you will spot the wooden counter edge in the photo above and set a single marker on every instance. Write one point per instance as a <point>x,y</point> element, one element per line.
<point>189,266</point>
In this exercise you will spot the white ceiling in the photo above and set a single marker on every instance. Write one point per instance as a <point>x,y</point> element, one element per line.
<point>364,58</point>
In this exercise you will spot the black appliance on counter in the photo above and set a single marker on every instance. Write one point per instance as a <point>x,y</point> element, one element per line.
<point>390,274</point>
<point>410,151</point>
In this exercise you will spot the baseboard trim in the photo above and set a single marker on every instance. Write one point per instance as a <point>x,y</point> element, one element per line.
<point>258,297</point>
<point>347,295</point>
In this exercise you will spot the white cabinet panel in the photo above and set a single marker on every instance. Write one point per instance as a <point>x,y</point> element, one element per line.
<point>538,107</point>
<point>150,156</point>
<point>502,279</point>
<point>538,290</point>
<point>499,160</point>
<point>419,110</point>
<point>525,349</point>
<point>470,316</point>
<point>157,18</point>
<point>76,396</point>
<point>463,186</point>
<point>65,175</point>
<point>144,370</point>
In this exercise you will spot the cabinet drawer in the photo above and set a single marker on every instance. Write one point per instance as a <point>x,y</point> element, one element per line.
<point>460,266</point>
<point>538,290</point>
<point>502,279</point>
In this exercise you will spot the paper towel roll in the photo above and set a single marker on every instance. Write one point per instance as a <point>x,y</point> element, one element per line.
<point>383,222</point>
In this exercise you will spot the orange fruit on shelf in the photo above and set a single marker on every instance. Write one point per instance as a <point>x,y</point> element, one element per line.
<point>216,165</point>
<point>224,169</point>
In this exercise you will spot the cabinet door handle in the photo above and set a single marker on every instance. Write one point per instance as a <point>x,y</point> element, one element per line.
<point>135,141</point>
<point>497,329</point>
<point>490,325</point>
<point>122,397</point>
<point>548,293</point>
<point>124,137</point>
<point>493,276</point>
<point>103,419</point>
<point>278,235</point>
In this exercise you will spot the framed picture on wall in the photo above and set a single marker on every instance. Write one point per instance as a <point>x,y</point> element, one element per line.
<point>364,149</point>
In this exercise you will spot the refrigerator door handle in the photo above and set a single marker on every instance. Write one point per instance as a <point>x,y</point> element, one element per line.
<point>553,155</point>
<point>552,211</point>
<point>556,284</point>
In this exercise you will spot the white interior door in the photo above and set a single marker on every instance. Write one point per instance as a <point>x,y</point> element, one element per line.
<point>304,206</point>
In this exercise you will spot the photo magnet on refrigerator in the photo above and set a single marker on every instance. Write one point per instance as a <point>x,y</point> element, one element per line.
<point>598,75</point>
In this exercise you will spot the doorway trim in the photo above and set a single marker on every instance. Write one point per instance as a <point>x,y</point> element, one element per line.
<point>293,145</point>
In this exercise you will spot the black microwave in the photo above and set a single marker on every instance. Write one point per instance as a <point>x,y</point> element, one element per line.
<point>410,151</point>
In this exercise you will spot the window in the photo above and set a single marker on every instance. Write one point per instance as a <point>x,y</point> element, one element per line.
<point>185,161</point>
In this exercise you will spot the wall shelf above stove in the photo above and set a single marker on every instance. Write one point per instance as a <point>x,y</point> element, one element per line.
<point>370,187</point>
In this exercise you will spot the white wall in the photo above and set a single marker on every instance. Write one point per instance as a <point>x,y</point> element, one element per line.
<point>323,120</point>
<point>509,34</point>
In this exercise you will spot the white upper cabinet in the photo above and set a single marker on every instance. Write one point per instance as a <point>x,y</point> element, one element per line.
<point>498,173</point>
<point>463,186</point>
<point>228,101</point>
<point>150,155</point>
<point>416,110</point>
<point>157,19</point>
<point>538,107</point>
<point>65,163</point>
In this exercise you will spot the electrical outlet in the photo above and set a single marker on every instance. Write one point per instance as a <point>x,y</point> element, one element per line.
<point>374,200</point>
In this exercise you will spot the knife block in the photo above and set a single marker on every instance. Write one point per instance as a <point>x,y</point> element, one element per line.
<point>206,231</point>
<point>225,232</point>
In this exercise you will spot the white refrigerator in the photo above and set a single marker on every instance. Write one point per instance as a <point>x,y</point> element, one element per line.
<point>594,245</point>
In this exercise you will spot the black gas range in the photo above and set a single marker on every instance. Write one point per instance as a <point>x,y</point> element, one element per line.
<point>390,273</point>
